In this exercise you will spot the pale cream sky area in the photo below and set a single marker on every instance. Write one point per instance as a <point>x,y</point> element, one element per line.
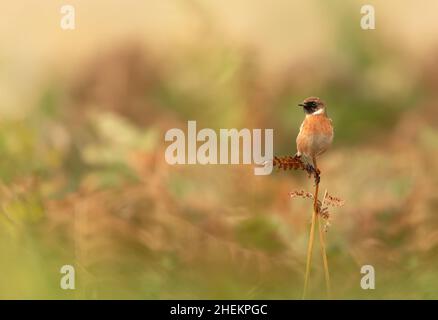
<point>33,46</point>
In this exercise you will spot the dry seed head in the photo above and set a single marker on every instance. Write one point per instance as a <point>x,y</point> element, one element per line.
<point>301,193</point>
<point>322,208</point>
<point>334,201</point>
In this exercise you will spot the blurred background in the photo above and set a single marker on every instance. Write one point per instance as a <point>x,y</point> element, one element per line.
<point>83,179</point>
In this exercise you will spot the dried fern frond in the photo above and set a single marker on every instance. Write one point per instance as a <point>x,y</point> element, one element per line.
<point>295,163</point>
<point>289,163</point>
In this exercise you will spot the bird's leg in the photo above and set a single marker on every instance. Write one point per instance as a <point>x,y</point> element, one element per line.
<point>316,171</point>
<point>313,170</point>
<point>309,166</point>
<point>317,180</point>
<point>317,176</point>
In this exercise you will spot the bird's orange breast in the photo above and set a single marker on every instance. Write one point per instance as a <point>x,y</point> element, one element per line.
<point>317,124</point>
<point>316,135</point>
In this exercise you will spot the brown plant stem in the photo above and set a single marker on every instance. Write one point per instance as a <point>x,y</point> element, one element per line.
<point>312,233</point>
<point>323,251</point>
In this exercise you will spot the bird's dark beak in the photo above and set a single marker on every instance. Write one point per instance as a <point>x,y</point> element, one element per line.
<point>301,104</point>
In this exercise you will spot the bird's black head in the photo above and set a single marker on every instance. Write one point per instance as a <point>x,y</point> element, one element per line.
<point>312,105</point>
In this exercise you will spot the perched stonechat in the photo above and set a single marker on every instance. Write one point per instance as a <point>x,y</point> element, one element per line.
<point>316,132</point>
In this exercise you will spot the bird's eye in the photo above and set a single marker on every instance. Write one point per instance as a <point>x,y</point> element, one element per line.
<point>311,104</point>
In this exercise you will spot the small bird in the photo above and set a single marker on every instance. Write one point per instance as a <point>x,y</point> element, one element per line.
<point>316,132</point>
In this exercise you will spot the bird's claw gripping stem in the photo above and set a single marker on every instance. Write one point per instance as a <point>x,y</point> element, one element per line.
<point>316,173</point>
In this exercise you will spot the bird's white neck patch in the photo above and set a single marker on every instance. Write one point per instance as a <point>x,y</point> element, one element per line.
<point>319,111</point>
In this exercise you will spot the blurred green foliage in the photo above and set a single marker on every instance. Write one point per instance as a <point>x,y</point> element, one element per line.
<point>84,182</point>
